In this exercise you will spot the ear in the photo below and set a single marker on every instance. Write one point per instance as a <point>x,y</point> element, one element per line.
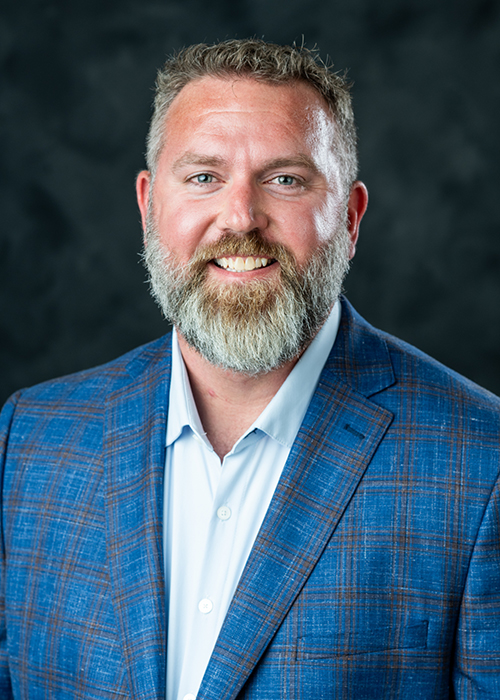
<point>356,207</point>
<point>142,188</point>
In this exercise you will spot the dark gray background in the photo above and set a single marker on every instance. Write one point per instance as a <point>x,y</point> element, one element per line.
<point>76,86</point>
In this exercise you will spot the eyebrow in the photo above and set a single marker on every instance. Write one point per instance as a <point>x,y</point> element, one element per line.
<point>301,160</point>
<point>190,158</point>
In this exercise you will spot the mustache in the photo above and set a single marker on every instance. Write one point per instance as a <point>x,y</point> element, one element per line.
<point>250,244</point>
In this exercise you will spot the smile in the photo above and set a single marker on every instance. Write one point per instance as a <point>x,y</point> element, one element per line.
<point>243,264</point>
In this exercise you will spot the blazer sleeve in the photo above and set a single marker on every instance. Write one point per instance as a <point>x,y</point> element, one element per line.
<point>5,423</point>
<point>476,672</point>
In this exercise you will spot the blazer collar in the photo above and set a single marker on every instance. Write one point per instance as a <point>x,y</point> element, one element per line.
<point>360,357</point>
<point>333,448</point>
<point>134,453</point>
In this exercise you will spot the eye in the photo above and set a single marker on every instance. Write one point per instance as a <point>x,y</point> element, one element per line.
<point>203,179</point>
<point>286,185</point>
<point>286,180</point>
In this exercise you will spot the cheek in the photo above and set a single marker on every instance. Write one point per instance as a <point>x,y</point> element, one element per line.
<point>296,229</point>
<point>182,228</point>
<point>327,219</point>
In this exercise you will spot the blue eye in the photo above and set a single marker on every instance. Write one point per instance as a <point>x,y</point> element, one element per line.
<point>285,180</point>
<point>204,179</point>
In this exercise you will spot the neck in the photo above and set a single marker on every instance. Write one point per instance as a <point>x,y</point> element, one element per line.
<point>228,402</point>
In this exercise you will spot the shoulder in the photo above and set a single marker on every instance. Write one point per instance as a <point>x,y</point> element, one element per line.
<point>92,386</point>
<point>411,376</point>
<point>416,368</point>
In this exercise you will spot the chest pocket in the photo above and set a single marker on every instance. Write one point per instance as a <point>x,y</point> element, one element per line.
<point>367,641</point>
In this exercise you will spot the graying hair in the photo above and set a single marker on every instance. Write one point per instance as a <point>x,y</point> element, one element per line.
<point>270,63</point>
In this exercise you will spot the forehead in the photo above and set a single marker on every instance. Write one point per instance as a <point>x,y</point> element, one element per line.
<point>217,105</point>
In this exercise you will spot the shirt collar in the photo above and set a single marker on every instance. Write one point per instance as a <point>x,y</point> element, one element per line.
<point>282,417</point>
<point>182,409</point>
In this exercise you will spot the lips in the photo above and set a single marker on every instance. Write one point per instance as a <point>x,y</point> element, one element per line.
<point>243,264</point>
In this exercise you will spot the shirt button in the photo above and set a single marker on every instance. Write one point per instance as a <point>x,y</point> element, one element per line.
<point>205,606</point>
<point>189,696</point>
<point>224,513</point>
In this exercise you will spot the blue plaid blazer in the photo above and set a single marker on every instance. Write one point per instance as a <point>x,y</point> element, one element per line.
<point>375,575</point>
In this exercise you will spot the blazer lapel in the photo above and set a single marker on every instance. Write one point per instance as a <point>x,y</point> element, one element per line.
<point>340,433</point>
<point>136,418</point>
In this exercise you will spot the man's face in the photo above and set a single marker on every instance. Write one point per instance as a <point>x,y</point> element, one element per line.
<point>247,188</point>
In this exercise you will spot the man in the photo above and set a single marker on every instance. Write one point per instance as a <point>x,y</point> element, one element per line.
<point>278,501</point>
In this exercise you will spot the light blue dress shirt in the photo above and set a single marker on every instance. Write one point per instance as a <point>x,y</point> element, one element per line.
<point>213,511</point>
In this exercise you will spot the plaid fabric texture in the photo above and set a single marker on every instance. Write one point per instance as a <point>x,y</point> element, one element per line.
<point>376,573</point>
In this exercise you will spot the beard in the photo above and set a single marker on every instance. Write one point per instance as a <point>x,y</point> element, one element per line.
<point>258,325</point>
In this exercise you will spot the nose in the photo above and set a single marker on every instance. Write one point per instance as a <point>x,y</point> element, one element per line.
<point>242,210</point>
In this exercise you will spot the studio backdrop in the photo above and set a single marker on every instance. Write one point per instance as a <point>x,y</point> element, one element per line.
<point>77,82</point>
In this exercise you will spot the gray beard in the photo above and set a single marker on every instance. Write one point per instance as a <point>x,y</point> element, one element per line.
<point>259,325</point>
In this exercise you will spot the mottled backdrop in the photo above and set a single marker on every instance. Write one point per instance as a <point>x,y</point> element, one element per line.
<point>76,82</point>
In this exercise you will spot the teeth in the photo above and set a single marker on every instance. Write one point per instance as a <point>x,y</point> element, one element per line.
<point>240,264</point>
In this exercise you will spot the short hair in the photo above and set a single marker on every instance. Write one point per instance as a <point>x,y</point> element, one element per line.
<point>260,60</point>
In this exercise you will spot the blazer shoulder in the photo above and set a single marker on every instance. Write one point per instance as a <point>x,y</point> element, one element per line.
<point>415,366</point>
<point>96,383</point>
<point>414,371</point>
